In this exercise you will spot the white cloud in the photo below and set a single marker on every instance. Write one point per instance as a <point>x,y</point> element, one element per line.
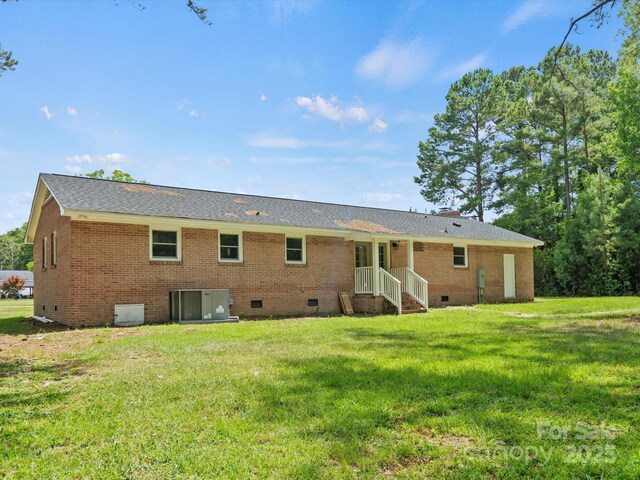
<point>80,159</point>
<point>112,158</point>
<point>378,126</point>
<point>182,103</point>
<point>528,10</point>
<point>379,197</point>
<point>396,65</point>
<point>193,113</point>
<point>73,169</point>
<point>292,196</point>
<point>263,98</point>
<point>330,108</point>
<point>72,111</point>
<point>46,112</point>
<point>457,71</point>
<point>269,141</point>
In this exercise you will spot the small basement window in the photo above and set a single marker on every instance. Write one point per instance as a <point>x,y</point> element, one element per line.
<point>230,247</point>
<point>256,303</point>
<point>459,256</point>
<point>165,244</point>
<point>444,298</point>
<point>295,250</point>
<point>312,302</point>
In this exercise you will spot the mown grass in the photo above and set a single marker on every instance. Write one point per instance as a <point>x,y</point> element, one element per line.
<point>419,396</point>
<point>13,315</point>
<point>576,305</point>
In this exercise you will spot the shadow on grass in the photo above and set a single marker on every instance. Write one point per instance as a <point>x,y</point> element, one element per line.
<point>30,389</point>
<point>611,344</point>
<point>22,325</point>
<point>477,385</point>
<point>349,401</point>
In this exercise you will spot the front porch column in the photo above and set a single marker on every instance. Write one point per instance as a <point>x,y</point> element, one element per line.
<point>410,254</point>
<point>376,266</point>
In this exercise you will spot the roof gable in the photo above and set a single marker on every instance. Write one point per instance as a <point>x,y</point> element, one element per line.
<point>42,194</point>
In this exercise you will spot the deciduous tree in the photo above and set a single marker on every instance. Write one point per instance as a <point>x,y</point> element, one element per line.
<point>117,175</point>
<point>11,286</point>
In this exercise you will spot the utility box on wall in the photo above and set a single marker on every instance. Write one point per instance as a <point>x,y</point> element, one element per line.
<point>211,305</point>
<point>481,279</point>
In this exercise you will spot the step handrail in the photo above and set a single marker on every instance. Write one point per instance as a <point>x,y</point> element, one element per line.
<point>391,289</point>
<point>413,284</point>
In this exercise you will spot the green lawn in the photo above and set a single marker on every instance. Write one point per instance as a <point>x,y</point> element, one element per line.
<point>12,315</point>
<point>454,393</point>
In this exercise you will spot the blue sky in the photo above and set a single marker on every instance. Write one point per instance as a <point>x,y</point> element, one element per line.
<point>317,100</point>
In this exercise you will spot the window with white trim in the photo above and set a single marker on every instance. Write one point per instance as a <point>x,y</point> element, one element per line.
<point>54,248</point>
<point>165,244</point>
<point>44,252</point>
<point>230,247</point>
<point>459,256</point>
<point>295,250</point>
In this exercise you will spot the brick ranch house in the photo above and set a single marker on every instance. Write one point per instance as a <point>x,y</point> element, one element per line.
<point>101,243</point>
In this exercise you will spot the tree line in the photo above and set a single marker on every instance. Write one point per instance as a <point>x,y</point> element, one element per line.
<point>552,151</point>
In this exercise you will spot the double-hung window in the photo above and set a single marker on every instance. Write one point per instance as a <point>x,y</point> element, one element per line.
<point>295,250</point>
<point>54,248</point>
<point>459,256</point>
<point>44,252</point>
<point>230,247</point>
<point>165,244</point>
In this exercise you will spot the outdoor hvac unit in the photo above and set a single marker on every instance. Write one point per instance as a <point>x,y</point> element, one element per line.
<point>200,305</point>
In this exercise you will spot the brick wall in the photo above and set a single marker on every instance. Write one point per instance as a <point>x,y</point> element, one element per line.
<point>111,265</point>
<point>52,297</point>
<point>435,264</point>
<point>103,264</point>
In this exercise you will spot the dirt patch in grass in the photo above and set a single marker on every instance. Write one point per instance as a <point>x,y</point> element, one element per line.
<point>44,344</point>
<point>447,439</point>
<point>394,468</point>
<point>53,339</point>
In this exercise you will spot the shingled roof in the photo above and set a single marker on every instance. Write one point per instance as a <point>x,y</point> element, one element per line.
<point>87,194</point>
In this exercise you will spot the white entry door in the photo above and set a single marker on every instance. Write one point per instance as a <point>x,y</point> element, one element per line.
<point>509,276</point>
